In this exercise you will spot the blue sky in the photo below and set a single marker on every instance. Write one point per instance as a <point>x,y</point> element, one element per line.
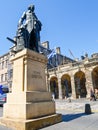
<point>69,24</point>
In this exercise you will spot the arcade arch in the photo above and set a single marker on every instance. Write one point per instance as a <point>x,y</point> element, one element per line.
<point>80,86</point>
<point>54,87</point>
<point>66,86</point>
<point>95,79</point>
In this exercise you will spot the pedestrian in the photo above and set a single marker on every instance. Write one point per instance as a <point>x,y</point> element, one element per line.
<point>92,95</point>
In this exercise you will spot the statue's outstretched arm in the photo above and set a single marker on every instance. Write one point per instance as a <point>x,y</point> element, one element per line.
<point>23,17</point>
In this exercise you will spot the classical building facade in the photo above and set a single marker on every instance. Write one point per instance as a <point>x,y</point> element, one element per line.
<point>74,79</point>
<point>6,71</point>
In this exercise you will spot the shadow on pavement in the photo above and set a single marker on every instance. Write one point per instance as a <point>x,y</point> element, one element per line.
<point>69,117</point>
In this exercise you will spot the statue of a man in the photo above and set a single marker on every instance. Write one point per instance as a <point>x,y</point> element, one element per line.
<point>32,25</point>
<point>29,17</point>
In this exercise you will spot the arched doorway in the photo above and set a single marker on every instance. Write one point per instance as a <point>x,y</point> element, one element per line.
<point>80,87</point>
<point>54,87</point>
<point>66,86</point>
<point>95,80</point>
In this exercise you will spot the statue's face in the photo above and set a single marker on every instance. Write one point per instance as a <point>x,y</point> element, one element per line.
<point>31,7</point>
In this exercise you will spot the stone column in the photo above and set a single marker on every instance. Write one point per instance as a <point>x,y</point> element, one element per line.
<point>73,87</point>
<point>48,85</point>
<point>89,82</point>
<point>60,88</point>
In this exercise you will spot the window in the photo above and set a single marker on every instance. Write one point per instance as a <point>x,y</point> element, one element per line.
<point>6,63</point>
<point>10,73</point>
<point>2,77</point>
<point>2,64</point>
<point>5,76</point>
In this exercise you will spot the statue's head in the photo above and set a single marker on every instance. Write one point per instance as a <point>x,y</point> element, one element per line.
<point>31,7</point>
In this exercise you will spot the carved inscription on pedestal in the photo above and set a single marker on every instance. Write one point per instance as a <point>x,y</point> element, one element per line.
<point>36,74</point>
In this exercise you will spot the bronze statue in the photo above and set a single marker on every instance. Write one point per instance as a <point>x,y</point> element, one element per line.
<point>28,32</point>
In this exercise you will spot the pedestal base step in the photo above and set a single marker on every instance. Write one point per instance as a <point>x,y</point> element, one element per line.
<point>32,124</point>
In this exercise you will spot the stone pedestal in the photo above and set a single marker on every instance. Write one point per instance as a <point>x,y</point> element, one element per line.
<point>30,105</point>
